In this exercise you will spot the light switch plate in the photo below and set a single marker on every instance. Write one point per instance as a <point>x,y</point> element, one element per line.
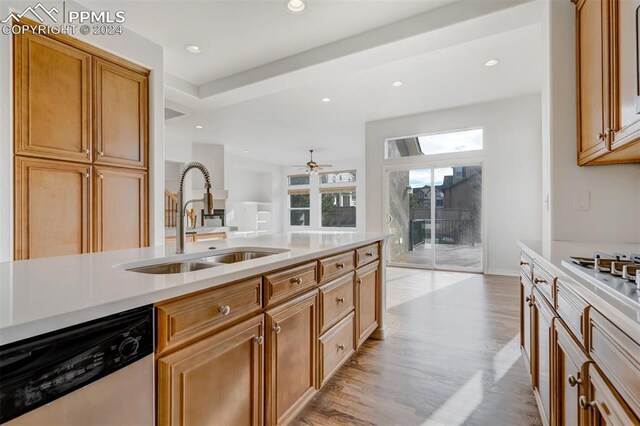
<point>581,200</point>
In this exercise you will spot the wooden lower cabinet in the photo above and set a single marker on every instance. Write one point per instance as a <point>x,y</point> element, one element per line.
<point>570,377</point>
<point>526,304</point>
<point>120,209</point>
<point>543,319</point>
<point>52,208</point>
<point>291,372</point>
<point>366,301</point>
<point>603,405</point>
<point>216,381</point>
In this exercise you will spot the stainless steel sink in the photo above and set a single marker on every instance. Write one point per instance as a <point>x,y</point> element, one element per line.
<point>237,256</point>
<point>216,258</point>
<point>173,267</point>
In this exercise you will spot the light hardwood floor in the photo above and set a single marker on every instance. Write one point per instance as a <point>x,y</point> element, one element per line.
<point>452,358</point>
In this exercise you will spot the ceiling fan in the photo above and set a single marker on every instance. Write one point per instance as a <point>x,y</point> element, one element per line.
<point>311,168</point>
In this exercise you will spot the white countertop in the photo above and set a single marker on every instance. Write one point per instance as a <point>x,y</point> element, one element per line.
<point>622,310</point>
<point>42,295</point>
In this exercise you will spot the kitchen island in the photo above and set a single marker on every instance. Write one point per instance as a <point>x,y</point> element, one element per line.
<point>268,331</point>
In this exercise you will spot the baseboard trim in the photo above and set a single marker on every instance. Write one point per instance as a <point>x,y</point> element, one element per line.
<point>503,272</point>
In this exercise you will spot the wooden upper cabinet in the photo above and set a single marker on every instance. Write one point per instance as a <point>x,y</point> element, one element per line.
<point>121,115</point>
<point>120,209</point>
<point>625,113</point>
<point>291,358</point>
<point>52,99</point>
<point>217,381</point>
<point>592,79</point>
<point>52,208</point>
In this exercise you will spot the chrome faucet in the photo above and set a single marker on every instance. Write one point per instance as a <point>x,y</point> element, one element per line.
<point>207,199</point>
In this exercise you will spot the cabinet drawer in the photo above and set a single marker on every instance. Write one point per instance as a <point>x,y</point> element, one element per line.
<point>336,347</point>
<point>335,266</point>
<point>544,281</point>
<point>571,309</point>
<point>366,254</point>
<point>526,265</point>
<point>618,356</point>
<point>336,300</point>
<point>284,284</point>
<point>187,319</point>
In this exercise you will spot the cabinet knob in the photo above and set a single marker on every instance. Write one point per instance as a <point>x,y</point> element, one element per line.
<point>340,265</point>
<point>86,150</point>
<point>296,280</point>
<point>539,281</point>
<point>225,310</point>
<point>359,281</point>
<point>100,154</point>
<point>101,176</point>
<point>85,174</point>
<point>341,347</point>
<point>602,136</point>
<point>585,403</point>
<point>573,381</point>
<point>259,340</point>
<point>340,299</point>
<point>522,263</point>
<point>527,299</point>
<point>277,329</point>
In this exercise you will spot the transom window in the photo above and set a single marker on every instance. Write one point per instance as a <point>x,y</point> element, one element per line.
<point>438,143</point>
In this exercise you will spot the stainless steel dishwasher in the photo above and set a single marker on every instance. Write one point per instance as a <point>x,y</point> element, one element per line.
<point>96,373</point>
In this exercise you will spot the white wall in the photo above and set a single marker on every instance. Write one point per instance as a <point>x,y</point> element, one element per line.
<point>357,164</point>
<point>512,169</point>
<point>614,215</point>
<point>252,180</point>
<point>129,45</point>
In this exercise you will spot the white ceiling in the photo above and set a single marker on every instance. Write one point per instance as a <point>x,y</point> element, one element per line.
<point>282,126</point>
<point>236,35</point>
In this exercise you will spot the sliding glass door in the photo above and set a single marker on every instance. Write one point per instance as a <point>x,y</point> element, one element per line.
<point>435,217</point>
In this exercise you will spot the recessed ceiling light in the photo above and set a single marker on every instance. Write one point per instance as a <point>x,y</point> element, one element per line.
<point>396,84</point>
<point>192,48</point>
<point>246,151</point>
<point>295,6</point>
<point>198,127</point>
<point>491,63</point>
<point>326,100</point>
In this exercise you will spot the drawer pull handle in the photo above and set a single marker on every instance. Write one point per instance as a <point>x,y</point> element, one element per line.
<point>522,263</point>
<point>259,340</point>
<point>340,299</point>
<point>585,404</point>
<point>539,281</point>
<point>224,310</point>
<point>296,280</point>
<point>573,381</point>
<point>341,347</point>
<point>277,329</point>
<point>369,254</point>
<point>339,265</point>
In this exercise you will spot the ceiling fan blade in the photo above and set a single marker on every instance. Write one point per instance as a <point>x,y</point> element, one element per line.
<point>324,165</point>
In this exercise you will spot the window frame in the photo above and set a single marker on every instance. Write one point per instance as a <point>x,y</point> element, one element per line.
<point>353,188</point>
<point>290,208</point>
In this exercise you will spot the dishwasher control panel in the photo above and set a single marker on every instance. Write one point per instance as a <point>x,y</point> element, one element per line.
<point>41,369</point>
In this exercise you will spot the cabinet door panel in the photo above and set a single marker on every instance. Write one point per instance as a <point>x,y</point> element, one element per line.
<point>52,99</point>
<point>525,319</point>
<point>570,377</point>
<point>291,360</point>
<point>604,405</point>
<point>543,326</point>
<point>591,27</point>
<point>626,72</point>
<point>366,302</point>
<point>121,116</point>
<point>217,381</point>
<point>51,208</point>
<point>120,209</point>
